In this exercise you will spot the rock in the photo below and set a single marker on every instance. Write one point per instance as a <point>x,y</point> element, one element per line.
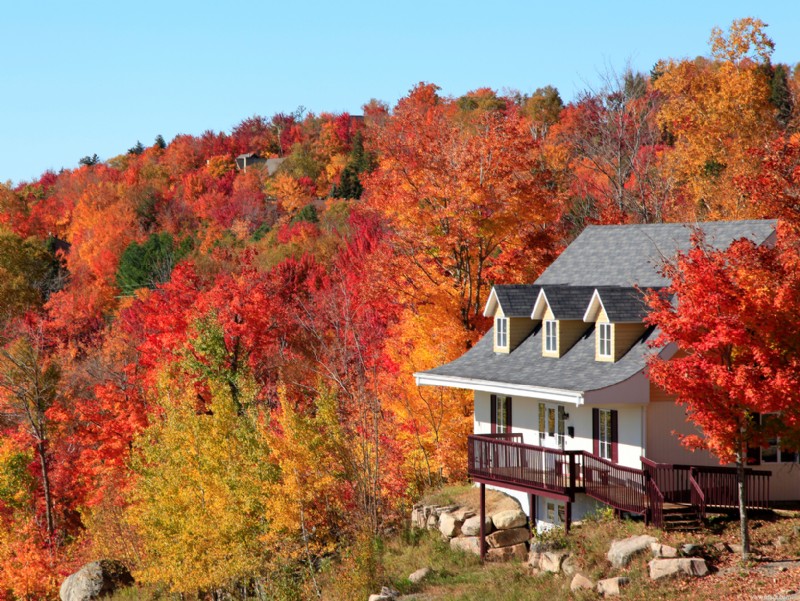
<point>660,550</point>
<point>470,544</point>
<point>534,558</point>
<point>691,550</point>
<point>506,538</point>
<point>721,547</point>
<point>433,522</point>
<point>683,566</point>
<point>472,526</point>
<point>580,583</point>
<point>781,541</point>
<point>449,525</point>
<point>387,594</point>
<point>610,586</point>
<point>570,565</point>
<point>551,561</point>
<point>621,551</point>
<point>462,514</point>
<point>95,580</point>
<point>419,575</point>
<point>517,552</point>
<point>440,509</point>
<point>511,518</point>
<point>735,548</point>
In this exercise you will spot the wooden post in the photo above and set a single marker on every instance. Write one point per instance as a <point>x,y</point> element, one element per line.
<point>483,522</point>
<point>532,512</point>
<point>569,517</point>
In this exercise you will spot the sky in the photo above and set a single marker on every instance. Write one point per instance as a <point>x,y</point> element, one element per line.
<point>88,77</point>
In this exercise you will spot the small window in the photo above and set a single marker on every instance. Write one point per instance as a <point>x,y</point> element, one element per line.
<point>604,433</point>
<point>604,342</point>
<point>501,332</point>
<point>775,452</point>
<point>550,335</point>
<point>542,422</point>
<point>560,438</point>
<point>502,414</point>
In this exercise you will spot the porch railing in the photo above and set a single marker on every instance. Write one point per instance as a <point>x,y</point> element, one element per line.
<point>498,459</point>
<point>621,487</point>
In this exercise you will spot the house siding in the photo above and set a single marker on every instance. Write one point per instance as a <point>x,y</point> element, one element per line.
<point>623,337</point>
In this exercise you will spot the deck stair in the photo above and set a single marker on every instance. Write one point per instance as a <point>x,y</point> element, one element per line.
<point>681,517</point>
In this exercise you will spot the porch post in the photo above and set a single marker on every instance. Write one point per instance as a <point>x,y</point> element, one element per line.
<point>568,523</point>
<point>532,512</point>
<point>483,522</point>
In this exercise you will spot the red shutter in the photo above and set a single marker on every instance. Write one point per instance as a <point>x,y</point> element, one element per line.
<point>493,410</point>
<point>614,438</point>
<point>596,432</point>
<point>508,414</point>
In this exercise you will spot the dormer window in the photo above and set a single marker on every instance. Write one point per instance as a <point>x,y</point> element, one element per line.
<point>604,340</point>
<point>501,332</point>
<point>551,336</point>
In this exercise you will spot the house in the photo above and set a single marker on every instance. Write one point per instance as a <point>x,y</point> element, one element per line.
<point>565,417</point>
<point>252,159</point>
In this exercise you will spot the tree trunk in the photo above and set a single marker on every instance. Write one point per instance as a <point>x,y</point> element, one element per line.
<point>744,529</point>
<point>48,501</point>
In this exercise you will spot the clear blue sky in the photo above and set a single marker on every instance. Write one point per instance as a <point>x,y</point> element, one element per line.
<point>87,77</point>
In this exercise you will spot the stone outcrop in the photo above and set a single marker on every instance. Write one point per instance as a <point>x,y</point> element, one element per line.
<point>387,594</point>
<point>95,580</point>
<point>679,567</point>
<point>511,518</point>
<point>622,551</point>
<point>419,575</point>
<point>450,525</point>
<point>552,561</point>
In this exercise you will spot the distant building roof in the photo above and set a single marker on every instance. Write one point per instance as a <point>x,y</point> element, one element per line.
<point>566,302</point>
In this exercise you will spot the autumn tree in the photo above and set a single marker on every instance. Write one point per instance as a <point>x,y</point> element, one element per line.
<point>733,319</point>
<point>717,111</point>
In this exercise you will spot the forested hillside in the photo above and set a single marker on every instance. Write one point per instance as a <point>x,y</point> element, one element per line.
<point>206,370</point>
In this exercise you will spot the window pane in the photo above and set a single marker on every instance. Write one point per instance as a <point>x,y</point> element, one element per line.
<point>769,454</point>
<point>551,421</point>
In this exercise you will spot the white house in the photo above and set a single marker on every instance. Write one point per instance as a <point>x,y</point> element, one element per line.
<point>565,417</point>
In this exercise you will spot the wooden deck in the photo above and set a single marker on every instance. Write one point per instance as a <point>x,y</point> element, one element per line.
<point>504,460</point>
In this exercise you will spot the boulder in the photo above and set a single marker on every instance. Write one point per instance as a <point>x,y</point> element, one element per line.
<point>610,586</point>
<point>691,550</point>
<point>506,538</point>
<point>470,544</point>
<point>449,525</point>
<point>387,594</point>
<point>660,550</point>
<point>517,552</point>
<point>95,580</point>
<point>683,566</point>
<point>570,565</point>
<point>508,519</point>
<point>621,551</point>
<point>472,525</point>
<point>463,513</point>
<point>550,561</point>
<point>419,575</point>
<point>580,583</point>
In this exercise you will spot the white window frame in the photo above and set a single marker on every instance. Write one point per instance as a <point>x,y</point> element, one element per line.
<point>551,335</point>
<point>604,433</point>
<point>501,411</point>
<point>501,332</point>
<point>604,333</point>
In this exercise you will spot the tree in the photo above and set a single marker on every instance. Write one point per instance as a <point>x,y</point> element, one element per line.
<point>149,264</point>
<point>734,322</point>
<point>29,382</point>
<point>89,161</point>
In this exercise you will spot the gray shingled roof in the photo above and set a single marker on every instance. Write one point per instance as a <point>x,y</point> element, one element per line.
<point>606,257</point>
<point>622,304</point>
<point>568,302</point>
<point>517,299</point>
<point>576,370</point>
<point>624,255</point>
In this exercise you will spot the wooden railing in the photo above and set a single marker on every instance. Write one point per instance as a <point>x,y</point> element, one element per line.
<point>504,459</point>
<point>621,487</point>
<point>498,459</point>
<point>697,495</point>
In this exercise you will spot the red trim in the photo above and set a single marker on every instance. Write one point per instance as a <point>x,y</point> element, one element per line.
<point>596,432</point>
<point>493,410</point>
<point>508,414</point>
<point>614,437</point>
